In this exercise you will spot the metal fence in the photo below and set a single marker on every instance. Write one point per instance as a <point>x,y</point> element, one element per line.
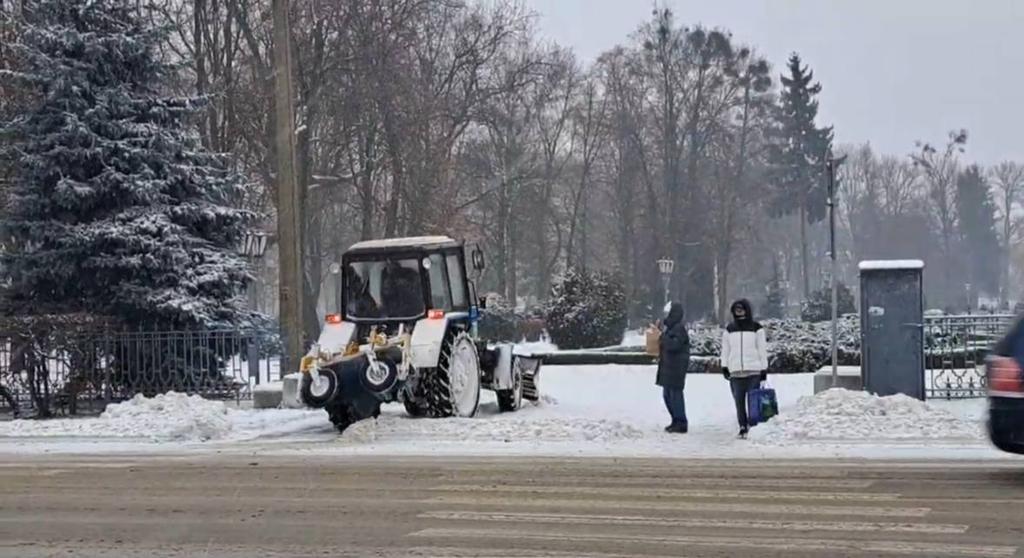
<point>53,372</point>
<point>955,351</point>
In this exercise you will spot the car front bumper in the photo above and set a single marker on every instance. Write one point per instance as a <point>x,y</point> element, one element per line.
<point>1006,423</point>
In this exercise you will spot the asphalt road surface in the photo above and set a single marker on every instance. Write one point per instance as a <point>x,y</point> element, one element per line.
<point>231,506</point>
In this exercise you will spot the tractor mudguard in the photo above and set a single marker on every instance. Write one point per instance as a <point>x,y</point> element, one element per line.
<point>335,336</point>
<point>503,370</point>
<point>428,338</point>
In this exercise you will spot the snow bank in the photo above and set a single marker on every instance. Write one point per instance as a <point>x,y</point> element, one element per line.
<point>528,348</point>
<point>839,414</point>
<point>605,411</point>
<point>514,430</point>
<point>166,417</point>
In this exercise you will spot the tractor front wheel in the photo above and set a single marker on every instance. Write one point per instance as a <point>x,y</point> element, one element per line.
<point>319,392</point>
<point>452,389</point>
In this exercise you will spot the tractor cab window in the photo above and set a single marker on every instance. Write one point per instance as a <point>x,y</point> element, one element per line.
<point>457,281</point>
<point>440,299</point>
<point>384,289</point>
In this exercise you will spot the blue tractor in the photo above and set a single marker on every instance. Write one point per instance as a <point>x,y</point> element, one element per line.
<point>406,332</point>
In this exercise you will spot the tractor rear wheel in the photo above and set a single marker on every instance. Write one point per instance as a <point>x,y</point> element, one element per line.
<point>511,399</point>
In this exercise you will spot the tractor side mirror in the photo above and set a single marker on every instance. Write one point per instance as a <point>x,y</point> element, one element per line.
<point>477,257</point>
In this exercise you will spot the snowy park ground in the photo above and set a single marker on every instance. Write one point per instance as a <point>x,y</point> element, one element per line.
<point>609,411</point>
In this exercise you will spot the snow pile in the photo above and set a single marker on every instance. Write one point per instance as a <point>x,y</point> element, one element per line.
<point>166,417</point>
<point>173,416</point>
<point>839,414</point>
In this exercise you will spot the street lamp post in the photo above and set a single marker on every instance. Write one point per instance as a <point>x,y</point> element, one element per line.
<point>830,165</point>
<point>254,245</point>
<point>252,248</point>
<point>666,266</point>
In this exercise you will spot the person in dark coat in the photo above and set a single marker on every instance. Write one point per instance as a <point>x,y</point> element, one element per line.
<point>673,361</point>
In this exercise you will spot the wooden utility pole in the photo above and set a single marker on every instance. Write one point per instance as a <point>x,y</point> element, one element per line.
<point>289,206</point>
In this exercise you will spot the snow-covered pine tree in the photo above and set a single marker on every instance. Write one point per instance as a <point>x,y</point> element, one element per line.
<point>976,221</point>
<point>116,208</point>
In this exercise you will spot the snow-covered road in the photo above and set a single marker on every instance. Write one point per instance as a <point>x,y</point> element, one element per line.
<point>593,410</point>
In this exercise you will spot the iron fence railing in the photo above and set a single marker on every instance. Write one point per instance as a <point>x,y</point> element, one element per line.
<point>955,351</point>
<point>48,372</point>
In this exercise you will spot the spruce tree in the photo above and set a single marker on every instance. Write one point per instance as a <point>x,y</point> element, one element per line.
<point>797,156</point>
<point>976,214</point>
<point>115,206</point>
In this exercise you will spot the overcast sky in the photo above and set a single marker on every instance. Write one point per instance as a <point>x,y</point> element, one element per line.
<point>892,71</point>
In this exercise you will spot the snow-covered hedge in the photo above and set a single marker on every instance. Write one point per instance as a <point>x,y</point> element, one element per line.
<point>586,310</point>
<point>498,322</point>
<point>795,346</point>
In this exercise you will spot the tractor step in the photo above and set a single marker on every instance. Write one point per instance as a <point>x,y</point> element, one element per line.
<point>531,369</point>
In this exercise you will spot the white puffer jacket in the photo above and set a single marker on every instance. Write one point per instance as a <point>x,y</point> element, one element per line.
<point>744,349</point>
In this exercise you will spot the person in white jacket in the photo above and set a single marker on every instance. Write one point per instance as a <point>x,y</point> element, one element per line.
<point>744,358</point>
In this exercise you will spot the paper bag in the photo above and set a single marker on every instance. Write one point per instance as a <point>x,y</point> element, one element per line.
<point>653,339</point>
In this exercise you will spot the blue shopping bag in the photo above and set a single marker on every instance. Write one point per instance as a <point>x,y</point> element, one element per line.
<point>761,404</point>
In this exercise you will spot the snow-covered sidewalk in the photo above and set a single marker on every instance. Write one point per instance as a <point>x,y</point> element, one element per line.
<point>586,411</point>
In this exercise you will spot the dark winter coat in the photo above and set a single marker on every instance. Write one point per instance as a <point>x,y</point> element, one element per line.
<point>674,355</point>
<point>1012,345</point>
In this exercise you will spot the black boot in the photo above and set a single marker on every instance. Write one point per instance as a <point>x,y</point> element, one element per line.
<point>676,428</point>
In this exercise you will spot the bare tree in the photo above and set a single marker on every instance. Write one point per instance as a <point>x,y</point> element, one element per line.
<point>940,169</point>
<point>588,133</point>
<point>1008,185</point>
<point>739,128</point>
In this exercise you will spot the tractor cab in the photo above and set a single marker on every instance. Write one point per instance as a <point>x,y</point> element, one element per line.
<point>402,281</point>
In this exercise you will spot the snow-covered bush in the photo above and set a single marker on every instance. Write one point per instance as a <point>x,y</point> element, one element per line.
<point>818,307</point>
<point>586,310</point>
